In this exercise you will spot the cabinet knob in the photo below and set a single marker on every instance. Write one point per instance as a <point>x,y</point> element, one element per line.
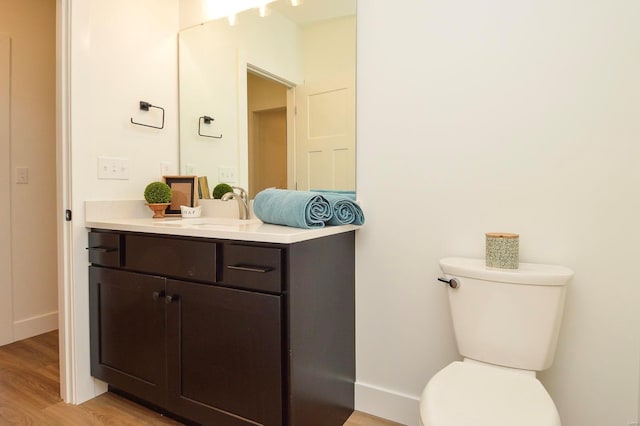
<point>157,294</point>
<point>169,299</point>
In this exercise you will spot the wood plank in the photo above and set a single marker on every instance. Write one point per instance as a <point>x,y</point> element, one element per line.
<point>29,394</point>
<point>363,419</point>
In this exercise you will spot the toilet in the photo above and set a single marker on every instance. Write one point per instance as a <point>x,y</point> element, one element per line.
<point>506,323</point>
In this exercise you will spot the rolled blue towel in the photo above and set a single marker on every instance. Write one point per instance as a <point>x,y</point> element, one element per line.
<point>349,194</point>
<point>300,209</point>
<point>345,211</point>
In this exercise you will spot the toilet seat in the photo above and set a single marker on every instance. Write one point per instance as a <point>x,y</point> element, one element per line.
<point>471,393</point>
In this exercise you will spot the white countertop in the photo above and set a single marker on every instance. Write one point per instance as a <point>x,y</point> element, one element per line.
<point>134,216</point>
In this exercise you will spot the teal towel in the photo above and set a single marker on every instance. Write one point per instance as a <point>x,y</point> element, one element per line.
<point>349,194</point>
<point>345,210</point>
<point>300,209</point>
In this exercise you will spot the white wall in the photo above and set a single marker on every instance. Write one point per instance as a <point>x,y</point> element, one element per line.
<point>31,207</point>
<point>498,116</point>
<point>122,52</point>
<point>191,13</point>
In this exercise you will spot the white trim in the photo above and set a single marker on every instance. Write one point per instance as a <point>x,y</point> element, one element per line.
<point>243,121</point>
<point>29,327</point>
<point>269,76</point>
<point>388,404</point>
<point>292,181</point>
<point>6,253</point>
<point>63,183</point>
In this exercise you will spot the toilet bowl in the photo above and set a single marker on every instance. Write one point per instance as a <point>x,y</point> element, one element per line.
<point>471,393</point>
<point>506,324</point>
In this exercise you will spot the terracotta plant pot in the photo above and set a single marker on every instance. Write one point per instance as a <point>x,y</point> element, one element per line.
<point>158,209</point>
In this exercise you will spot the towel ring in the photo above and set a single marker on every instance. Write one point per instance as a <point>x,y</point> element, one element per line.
<point>207,120</point>
<point>144,106</point>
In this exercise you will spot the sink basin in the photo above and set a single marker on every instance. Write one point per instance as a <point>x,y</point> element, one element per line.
<point>207,222</point>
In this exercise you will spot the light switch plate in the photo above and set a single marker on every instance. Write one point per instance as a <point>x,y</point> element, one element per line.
<point>22,175</point>
<point>113,168</point>
<point>227,174</point>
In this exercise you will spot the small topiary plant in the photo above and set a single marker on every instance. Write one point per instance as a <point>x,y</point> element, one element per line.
<point>221,189</point>
<point>157,192</point>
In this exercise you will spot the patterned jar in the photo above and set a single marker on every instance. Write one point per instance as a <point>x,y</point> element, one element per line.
<point>502,250</point>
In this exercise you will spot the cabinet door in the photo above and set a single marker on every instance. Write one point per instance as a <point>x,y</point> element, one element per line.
<point>224,355</point>
<point>128,331</point>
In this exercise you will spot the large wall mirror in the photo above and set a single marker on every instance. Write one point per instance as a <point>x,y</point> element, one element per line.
<point>270,101</point>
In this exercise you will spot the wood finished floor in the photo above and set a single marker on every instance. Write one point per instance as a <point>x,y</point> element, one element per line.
<point>30,394</point>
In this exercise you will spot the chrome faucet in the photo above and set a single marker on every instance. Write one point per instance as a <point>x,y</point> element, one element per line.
<point>243,195</point>
<point>243,201</point>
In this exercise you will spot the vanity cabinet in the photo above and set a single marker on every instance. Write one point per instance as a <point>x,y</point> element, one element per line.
<point>226,332</point>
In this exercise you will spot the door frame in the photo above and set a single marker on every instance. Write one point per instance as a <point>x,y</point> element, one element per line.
<point>63,188</point>
<point>244,67</point>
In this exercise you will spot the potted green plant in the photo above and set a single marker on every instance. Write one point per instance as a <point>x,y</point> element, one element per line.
<point>158,197</point>
<point>221,189</point>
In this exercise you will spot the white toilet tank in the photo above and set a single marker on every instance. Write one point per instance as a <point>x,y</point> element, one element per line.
<point>507,317</point>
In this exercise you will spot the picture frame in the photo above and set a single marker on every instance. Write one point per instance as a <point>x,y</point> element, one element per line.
<point>203,188</point>
<point>185,193</point>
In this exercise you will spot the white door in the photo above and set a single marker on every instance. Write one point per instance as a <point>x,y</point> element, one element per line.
<point>325,135</point>
<point>6,293</point>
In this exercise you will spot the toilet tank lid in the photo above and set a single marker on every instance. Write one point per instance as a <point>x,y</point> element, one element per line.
<point>527,273</point>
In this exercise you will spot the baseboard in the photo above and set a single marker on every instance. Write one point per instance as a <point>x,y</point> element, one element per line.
<point>29,327</point>
<point>388,404</point>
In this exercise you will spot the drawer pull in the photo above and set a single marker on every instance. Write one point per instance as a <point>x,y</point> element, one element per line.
<point>259,269</point>
<point>102,249</point>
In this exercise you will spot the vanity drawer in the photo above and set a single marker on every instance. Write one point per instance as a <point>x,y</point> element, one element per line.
<point>172,257</point>
<point>104,248</point>
<point>251,267</point>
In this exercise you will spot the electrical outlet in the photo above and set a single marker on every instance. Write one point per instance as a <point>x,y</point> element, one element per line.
<point>227,174</point>
<point>113,168</point>
<point>164,168</point>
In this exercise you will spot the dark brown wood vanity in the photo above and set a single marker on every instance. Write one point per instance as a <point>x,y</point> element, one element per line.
<point>226,332</point>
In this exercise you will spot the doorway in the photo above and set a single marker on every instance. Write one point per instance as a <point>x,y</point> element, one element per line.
<point>267,131</point>
<point>269,150</point>
<point>28,169</point>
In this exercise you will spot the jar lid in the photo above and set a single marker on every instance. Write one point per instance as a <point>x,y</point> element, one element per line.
<point>501,235</point>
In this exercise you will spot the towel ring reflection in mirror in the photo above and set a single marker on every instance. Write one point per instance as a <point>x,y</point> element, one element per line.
<point>207,120</point>
<point>144,106</point>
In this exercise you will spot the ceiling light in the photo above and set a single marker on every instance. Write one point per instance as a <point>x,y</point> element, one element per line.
<point>263,10</point>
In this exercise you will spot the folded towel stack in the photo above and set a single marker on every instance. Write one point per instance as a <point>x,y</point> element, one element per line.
<point>306,209</point>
